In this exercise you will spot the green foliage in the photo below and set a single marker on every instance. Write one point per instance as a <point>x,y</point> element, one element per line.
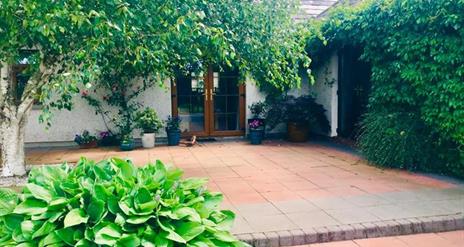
<point>113,203</point>
<point>85,138</point>
<point>416,51</point>
<point>173,123</point>
<point>148,120</point>
<point>403,140</point>
<point>258,109</point>
<point>303,109</point>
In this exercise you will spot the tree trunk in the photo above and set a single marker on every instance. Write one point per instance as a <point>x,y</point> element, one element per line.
<point>12,132</point>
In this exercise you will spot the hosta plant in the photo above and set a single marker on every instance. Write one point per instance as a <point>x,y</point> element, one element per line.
<point>113,203</point>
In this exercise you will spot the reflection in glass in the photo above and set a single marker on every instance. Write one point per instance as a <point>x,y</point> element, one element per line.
<point>226,101</point>
<point>190,103</point>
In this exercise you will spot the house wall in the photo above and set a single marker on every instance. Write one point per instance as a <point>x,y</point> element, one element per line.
<point>325,90</point>
<point>66,124</point>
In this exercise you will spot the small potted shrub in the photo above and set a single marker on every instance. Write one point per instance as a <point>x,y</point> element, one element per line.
<point>301,114</point>
<point>127,143</point>
<point>107,139</point>
<point>148,121</point>
<point>256,124</point>
<point>86,140</point>
<point>173,130</point>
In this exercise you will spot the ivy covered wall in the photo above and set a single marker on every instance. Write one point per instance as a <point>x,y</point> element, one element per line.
<point>415,117</point>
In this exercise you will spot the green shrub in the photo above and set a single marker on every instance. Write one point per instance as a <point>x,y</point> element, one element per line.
<point>148,120</point>
<point>113,203</point>
<point>403,140</point>
<point>394,140</point>
<point>303,109</point>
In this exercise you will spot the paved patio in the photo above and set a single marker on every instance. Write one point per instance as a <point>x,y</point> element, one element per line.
<point>279,189</point>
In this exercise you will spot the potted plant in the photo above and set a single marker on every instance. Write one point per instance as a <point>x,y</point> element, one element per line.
<point>127,143</point>
<point>148,121</point>
<point>256,124</point>
<point>173,130</point>
<point>301,114</point>
<point>86,140</point>
<point>107,138</point>
<point>256,131</point>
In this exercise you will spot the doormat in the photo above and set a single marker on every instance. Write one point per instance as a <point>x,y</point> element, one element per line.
<point>206,139</point>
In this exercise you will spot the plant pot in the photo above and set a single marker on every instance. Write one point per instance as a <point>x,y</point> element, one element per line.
<point>148,140</point>
<point>126,146</point>
<point>256,136</point>
<point>109,141</point>
<point>173,137</point>
<point>297,132</point>
<point>92,144</point>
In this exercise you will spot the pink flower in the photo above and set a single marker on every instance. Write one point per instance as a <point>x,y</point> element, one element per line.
<point>84,93</point>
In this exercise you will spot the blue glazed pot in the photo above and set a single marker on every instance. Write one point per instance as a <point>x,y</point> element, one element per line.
<point>256,136</point>
<point>127,146</point>
<point>173,137</point>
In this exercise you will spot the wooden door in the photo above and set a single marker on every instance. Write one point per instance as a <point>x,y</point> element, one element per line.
<point>213,106</point>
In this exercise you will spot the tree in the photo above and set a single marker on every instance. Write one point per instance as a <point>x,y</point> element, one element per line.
<point>261,40</point>
<point>61,41</point>
<point>93,45</point>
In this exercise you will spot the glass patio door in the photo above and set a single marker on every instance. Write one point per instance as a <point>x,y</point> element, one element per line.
<point>210,105</point>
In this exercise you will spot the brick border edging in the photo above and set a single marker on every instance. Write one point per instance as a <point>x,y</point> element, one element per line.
<point>355,231</point>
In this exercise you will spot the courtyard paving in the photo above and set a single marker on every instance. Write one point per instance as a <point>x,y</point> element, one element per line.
<point>296,188</point>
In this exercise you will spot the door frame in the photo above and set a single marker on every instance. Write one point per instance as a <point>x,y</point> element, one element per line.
<point>209,108</point>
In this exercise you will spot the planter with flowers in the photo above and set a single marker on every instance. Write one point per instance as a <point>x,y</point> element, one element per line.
<point>127,143</point>
<point>86,140</point>
<point>107,139</point>
<point>173,130</point>
<point>256,131</point>
<point>256,124</point>
<point>148,121</point>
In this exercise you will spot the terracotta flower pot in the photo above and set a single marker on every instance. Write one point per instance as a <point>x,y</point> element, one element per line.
<point>297,132</point>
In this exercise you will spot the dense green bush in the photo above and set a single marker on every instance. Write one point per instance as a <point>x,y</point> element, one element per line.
<point>113,203</point>
<point>395,140</point>
<point>303,109</point>
<point>416,51</point>
<point>403,140</point>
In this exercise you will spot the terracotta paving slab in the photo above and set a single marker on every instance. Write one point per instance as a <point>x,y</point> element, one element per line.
<point>304,189</point>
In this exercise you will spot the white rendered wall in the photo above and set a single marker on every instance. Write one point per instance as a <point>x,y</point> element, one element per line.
<point>66,124</point>
<point>325,90</point>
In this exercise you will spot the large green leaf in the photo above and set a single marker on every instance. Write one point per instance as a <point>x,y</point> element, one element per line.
<point>75,217</point>
<point>31,207</point>
<point>50,240</point>
<point>8,200</point>
<point>190,213</point>
<point>126,169</point>
<point>108,235</point>
<point>28,228</point>
<point>194,183</point>
<point>39,192</point>
<point>96,209</point>
<point>168,229</point>
<point>67,235</point>
<point>45,229</point>
<point>189,230</point>
<point>129,240</point>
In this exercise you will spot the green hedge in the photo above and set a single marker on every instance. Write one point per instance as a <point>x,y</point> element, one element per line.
<point>113,203</point>
<point>416,50</point>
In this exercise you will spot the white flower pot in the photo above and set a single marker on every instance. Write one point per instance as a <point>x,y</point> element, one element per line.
<point>148,140</point>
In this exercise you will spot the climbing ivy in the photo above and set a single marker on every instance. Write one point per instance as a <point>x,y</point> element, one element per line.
<point>416,50</point>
